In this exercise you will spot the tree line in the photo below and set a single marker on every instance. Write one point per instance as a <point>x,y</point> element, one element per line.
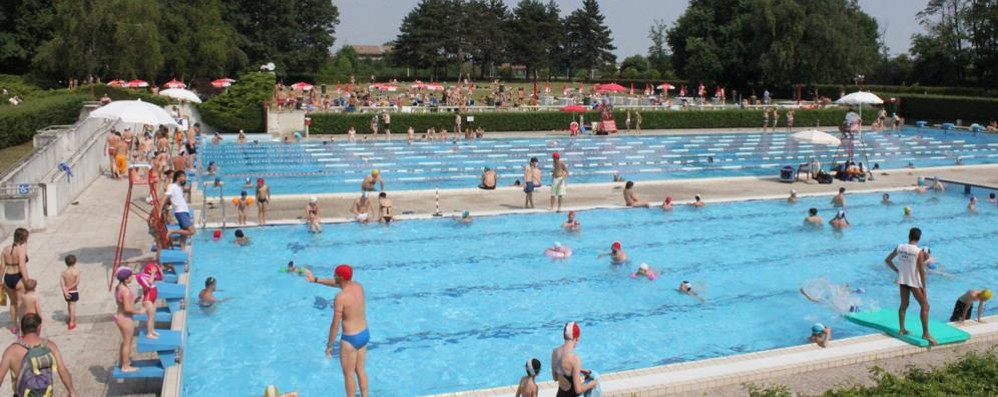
<point>159,39</point>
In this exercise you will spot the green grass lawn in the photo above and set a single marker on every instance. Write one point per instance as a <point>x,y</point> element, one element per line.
<point>13,154</point>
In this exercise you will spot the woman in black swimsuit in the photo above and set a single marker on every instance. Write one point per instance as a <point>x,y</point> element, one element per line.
<point>15,267</point>
<point>566,366</point>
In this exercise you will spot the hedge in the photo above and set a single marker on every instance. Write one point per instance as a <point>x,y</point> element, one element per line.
<point>949,108</point>
<point>240,107</point>
<point>833,90</point>
<point>339,123</point>
<point>19,123</point>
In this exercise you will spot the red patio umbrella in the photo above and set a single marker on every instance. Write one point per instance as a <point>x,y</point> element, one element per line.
<point>666,86</point>
<point>574,109</point>
<point>174,84</point>
<point>612,87</point>
<point>117,83</point>
<point>221,83</point>
<point>136,84</point>
<point>301,85</point>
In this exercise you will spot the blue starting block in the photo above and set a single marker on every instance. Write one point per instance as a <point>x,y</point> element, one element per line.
<point>921,123</point>
<point>163,315</point>
<point>173,257</point>
<point>165,346</point>
<point>169,278</point>
<point>147,369</point>
<point>170,291</point>
<point>948,126</point>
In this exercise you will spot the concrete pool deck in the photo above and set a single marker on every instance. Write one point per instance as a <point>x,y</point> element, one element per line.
<point>89,230</point>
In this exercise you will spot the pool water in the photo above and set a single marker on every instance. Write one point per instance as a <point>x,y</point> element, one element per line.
<point>314,167</point>
<point>454,307</point>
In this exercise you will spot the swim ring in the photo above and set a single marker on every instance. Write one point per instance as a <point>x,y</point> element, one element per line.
<point>558,252</point>
<point>651,275</point>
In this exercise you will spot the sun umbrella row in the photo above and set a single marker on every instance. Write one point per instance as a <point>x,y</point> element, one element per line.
<point>172,84</point>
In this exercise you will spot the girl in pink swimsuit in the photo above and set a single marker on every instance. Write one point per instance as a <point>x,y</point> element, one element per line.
<point>123,317</point>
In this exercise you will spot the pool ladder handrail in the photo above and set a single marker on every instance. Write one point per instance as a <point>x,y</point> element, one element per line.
<point>204,201</point>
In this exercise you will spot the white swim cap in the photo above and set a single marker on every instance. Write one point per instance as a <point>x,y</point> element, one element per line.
<point>643,266</point>
<point>313,199</point>
<point>557,244</point>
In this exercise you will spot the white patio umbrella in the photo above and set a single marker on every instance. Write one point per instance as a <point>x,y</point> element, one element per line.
<point>816,137</point>
<point>134,112</point>
<point>181,94</point>
<point>860,98</point>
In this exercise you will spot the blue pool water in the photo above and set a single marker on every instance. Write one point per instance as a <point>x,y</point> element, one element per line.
<point>313,167</point>
<point>454,307</point>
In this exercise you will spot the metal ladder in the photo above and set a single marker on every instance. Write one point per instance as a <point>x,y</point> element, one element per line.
<point>204,201</point>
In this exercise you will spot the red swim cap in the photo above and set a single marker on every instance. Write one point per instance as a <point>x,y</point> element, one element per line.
<point>555,155</point>
<point>616,245</point>
<point>344,272</point>
<point>571,214</point>
<point>668,199</point>
<point>572,330</point>
<point>259,181</point>
<point>216,235</point>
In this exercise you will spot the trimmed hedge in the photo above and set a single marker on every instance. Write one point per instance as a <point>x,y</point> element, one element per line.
<point>241,107</point>
<point>19,123</point>
<point>339,123</point>
<point>949,108</point>
<point>833,90</point>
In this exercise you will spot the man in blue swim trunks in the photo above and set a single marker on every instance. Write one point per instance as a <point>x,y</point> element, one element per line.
<point>178,203</point>
<point>348,308</point>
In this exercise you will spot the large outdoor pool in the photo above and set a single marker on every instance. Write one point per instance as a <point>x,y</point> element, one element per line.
<point>454,307</point>
<point>314,167</point>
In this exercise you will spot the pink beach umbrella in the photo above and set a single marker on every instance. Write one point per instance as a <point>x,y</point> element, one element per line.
<point>137,84</point>
<point>301,85</point>
<point>174,84</point>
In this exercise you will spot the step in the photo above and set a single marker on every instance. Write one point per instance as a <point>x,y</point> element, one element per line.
<point>147,369</point>
<point>171,291</point>
<point>173,257</point>
<point>163,315</point>
<point>165,346</point>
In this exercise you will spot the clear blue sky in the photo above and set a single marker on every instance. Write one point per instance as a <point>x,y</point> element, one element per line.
<point>377,21</point>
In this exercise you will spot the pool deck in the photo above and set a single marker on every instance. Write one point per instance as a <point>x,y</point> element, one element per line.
<point>89,230</point>
<point>289,209</point>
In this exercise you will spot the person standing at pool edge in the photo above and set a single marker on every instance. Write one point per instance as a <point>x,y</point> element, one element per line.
<point>911,279</point>
<point>566,366</point>
<point>367,185</point>
<point>262,199</point>
<point>530,181</point>
<point>559,174</point>
<point>178,203</point>
<point>348,309</point>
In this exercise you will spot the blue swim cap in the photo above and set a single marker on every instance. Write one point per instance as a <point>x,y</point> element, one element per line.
<point>933,266</point>
<point>817,328</point>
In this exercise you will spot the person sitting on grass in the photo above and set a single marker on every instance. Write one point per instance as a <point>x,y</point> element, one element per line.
<point>820,334</point>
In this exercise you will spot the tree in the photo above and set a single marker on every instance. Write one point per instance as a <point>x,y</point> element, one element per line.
<point>196,41</point>
<point>488,39</point>
<point>589,40</point>
<point>777,42</point>
<point>80,45</point>
<point>638,63</point>
<point>294,34</point>
<point>426,37</point>
<point>536,35</point>
<point>658,52</point>
<point>24,26</point>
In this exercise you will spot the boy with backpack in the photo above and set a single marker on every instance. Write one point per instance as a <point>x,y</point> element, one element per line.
<point>31,361</point>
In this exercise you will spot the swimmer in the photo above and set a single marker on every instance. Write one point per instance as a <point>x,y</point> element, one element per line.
<point>820,334</point>
<point>559,251</point>
<point>920,189</point>
<point>528,384</point>
<point>907,211</point>
<point>840,221</point>
<point>630,199</point>
<point>793,196</point>
<point>992,199</point>
<point>617,177</point>
<point>385,208</point>
<point>293,269</point>
<point>972,205</point>
<point>886,199</point>
<point>465,217</point>
<point>697,202</point>
<point>617,254</point>
<point>840,199</point>
<point>667,204</point>
<point>206,298</point>
<point>937,185</point>
<point>367,185</point>
<point>241,239</point>
<point>645,271</point>
<point>965,304</point>
<point>571,224</point>
<point>812,218</point>
<point>686,288</point>
<point>248,184</point>
<point>362,208</point>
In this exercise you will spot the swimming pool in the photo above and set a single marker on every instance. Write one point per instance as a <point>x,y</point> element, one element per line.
<point>454,307</point>
<point>313,167</point>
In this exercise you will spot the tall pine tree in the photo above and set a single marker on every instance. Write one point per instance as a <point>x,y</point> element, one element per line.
<point>590,43</point>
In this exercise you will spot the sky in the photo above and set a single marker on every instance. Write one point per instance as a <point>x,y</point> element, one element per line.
<point>377,21</point>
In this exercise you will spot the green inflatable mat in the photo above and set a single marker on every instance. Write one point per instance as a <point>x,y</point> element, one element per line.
<point>887,320</point>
